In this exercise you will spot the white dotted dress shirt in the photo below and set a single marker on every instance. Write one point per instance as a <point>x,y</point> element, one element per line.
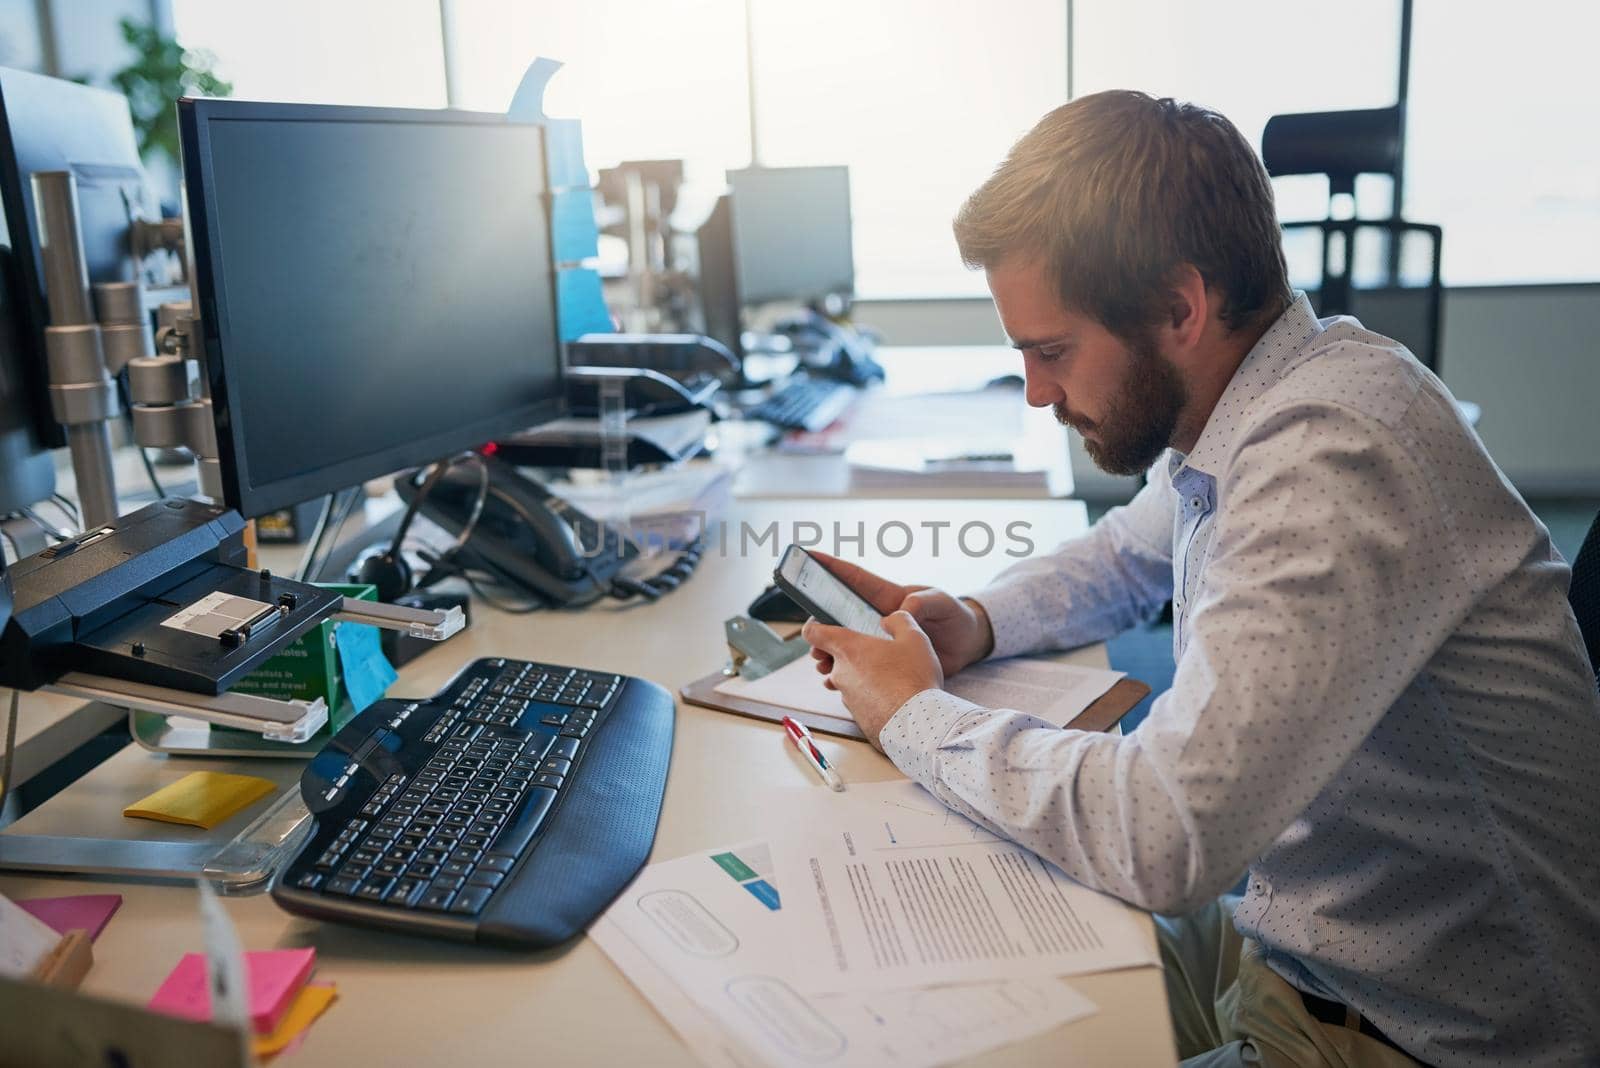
<point>1382,708</point>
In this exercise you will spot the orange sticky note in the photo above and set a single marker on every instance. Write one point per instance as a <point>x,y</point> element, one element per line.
<point>276,976</point>
<point>312,1002</point>
<point>202,799</point>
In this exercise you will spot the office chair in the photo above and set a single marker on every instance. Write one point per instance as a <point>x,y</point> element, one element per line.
<point>1342,145</point>
<point>1584,593</point>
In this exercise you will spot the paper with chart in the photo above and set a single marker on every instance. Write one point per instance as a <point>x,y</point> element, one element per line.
<point>705,939</point>
<point>1052,690</point>
<point>886,887</point>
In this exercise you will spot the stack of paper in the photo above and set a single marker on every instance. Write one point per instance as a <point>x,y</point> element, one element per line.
<point>960,465</point>
<point>876,927</point>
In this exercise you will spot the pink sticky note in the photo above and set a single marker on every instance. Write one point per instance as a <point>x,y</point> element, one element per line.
<point>81,912</point>
<point>276,975</point>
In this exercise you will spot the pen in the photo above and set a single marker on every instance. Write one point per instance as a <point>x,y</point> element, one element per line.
<point>808,748</point>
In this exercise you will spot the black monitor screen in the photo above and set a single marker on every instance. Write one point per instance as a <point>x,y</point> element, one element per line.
<point>376,288</point>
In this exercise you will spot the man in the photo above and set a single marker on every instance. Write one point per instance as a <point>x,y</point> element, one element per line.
<point>1382,708</point>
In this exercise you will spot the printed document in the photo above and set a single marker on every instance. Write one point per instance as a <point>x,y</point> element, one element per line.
<point>705,939</point>
<point>886,887</point>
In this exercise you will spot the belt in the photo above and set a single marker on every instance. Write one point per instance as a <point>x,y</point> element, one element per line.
<point>1341,1015</point>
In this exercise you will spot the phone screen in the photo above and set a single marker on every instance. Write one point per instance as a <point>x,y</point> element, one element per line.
<point>824,596</point>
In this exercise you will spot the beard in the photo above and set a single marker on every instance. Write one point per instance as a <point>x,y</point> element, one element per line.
<point>1140,419</point>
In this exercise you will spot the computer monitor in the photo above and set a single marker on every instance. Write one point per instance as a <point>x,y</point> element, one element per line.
<point>375,286</point>
<point>47,124</point>
<point>791,233</point>
<point>720,304</point>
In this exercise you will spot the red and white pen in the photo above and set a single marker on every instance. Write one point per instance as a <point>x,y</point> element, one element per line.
<point>808,748</point>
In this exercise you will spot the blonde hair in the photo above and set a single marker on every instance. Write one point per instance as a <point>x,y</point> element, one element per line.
<point>1115,192</point>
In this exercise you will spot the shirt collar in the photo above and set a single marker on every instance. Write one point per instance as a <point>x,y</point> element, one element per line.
<point>1279,349</point>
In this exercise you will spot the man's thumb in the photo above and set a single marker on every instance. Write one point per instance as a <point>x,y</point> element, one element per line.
<point>900,623</point>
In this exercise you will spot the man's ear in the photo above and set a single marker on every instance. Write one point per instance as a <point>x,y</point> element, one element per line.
<point>1188,308</point>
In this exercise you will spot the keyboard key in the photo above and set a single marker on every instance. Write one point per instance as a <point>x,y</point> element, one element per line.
<point>436,899</point>
<point>471,899</point>
<point>309,881</point>
<point>389,868</point>
<point>557,766</point>
<point>525,822</point>
<point>406,892</point>
<point>566,748</point>
<point>495,863</point>
<point>448,882</point>
<point>424,869</point>
<point>455,867</point>
<point>486,878</point>
<point>375,889</point>
<point>341,885</point>
<point>549,779</point>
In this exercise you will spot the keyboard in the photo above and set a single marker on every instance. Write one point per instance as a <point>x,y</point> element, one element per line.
<point>510,808</point>
<point>806,404</point>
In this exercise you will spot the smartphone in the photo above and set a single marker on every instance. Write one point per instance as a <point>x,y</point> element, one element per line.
<point>814,588</point>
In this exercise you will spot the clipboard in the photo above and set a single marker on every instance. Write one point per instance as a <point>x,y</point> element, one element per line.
<point>1103,714</point>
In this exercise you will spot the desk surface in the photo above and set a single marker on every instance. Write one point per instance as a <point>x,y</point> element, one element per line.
<point>405,1000</point>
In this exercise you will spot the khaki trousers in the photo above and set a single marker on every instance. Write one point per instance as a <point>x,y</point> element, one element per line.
<point>1230,1009</point>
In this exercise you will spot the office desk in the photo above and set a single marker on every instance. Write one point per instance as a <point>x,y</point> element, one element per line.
<point>409,1001</point>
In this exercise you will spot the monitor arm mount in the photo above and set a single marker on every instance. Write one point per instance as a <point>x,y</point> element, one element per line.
<point>96,331</point>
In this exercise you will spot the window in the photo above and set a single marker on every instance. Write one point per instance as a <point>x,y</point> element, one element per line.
<point>1250,60</point>
<point>921,99</point>
<point>1501,148</point>
<point>380,52</point>
<point>648,80</point>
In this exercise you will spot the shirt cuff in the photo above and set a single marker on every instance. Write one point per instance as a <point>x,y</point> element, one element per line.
<point>912,737</point>
<point>1013,616</point>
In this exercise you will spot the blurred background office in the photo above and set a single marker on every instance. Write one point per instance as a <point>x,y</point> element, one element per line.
<point>920,98</point>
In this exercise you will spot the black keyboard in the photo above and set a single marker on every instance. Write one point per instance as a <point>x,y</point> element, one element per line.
<point>509,808</point>
<point>807,404</point>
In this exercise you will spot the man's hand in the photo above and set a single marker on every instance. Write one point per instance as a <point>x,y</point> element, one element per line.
<point>875,676</point>
<point>959,629</point>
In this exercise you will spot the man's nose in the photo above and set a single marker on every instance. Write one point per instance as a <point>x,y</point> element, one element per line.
<point>1040,390</point>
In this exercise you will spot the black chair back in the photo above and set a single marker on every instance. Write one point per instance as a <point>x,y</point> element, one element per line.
<point>1585,592</point>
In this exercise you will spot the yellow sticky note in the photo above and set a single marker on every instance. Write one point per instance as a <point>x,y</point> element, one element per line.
<point>311,1002</point>
<point>202,798</point>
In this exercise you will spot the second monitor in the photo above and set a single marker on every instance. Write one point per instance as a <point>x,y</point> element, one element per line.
<point>791,233</point>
